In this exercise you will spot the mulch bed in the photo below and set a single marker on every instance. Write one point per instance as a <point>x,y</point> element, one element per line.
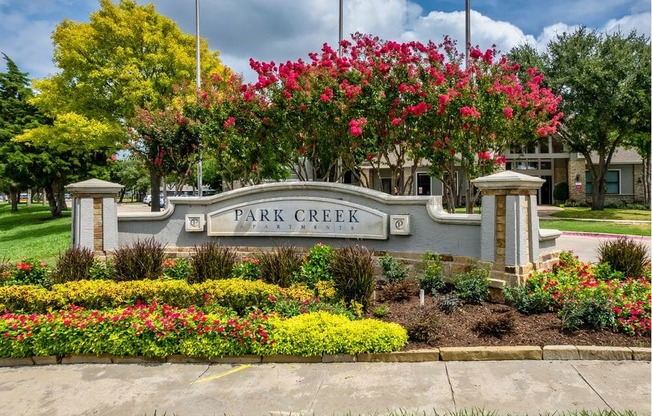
<point>458,329</point>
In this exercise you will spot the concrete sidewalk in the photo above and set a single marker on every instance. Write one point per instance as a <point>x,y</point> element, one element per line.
<point>515,387</point>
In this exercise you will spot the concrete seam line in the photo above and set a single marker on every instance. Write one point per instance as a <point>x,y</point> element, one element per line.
<point>592,388</point>
<point>450,385</point>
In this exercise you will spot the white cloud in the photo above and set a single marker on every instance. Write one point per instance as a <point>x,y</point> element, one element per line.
<point>639,22</point>
<point>281,30</point>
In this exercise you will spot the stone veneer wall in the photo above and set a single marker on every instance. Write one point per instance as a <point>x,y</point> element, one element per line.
<point>577,167</point>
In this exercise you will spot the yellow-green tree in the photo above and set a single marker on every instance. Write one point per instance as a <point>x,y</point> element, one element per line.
<point>126,57</point>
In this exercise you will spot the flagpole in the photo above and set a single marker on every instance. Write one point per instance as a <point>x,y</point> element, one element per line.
<point>198,86</point>
<point>341,27</point>
<point>468,31</point>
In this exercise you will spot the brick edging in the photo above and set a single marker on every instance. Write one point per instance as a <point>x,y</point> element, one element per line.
<point>548,352</point>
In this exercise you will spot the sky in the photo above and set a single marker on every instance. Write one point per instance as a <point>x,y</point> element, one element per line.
<point>281,30</point>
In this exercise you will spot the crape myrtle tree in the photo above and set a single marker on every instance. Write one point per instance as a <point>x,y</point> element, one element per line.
<point>382,104</point>
<point>167,141</point>
<point>339,113</point>
<point>237,132</point>
<point>126,58</point>
<point>479,111</point>
<point>604,79</point>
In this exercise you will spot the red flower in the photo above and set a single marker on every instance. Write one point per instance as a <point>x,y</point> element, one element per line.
<point>327,96</point>
<point>469,112</point>
<point>508,112</point>
<point>484,155</point>
<point>229,122</point>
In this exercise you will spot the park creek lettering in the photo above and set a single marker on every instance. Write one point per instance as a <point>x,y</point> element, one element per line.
<point>298,215</point>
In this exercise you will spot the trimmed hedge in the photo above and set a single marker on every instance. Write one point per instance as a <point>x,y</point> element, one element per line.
<point>323,333</point>
<point>237,294</point>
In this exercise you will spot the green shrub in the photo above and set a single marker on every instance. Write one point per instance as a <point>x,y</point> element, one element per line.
<point>603,271</point>
<point>211,261</point>
<point>314,334</point>
<point>594,312</point>
<point>529,298</point>
<point>393,269</point>
<point>288,307</point>
<point>140,260</point>
<point>73,264</point>
<point>248,269</point>
<point>495,326</point>
<point>561,192</point>
<point>381,311</point>
<point>400,291</point>
<point>473,286</point>
<point>102,270</point>
<point>353,275</point>
<point>176,269</point>
<point>448,303</point>
<point>280,265</point>
<point>432,280</point>
<point>625,255</point>
<point>317,265</point>
<point>29,272</point>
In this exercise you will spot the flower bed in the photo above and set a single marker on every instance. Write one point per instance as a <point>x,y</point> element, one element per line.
<point>160,330</point>
<point>589,296</point>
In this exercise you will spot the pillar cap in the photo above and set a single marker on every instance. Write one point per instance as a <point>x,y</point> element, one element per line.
<point>94,186</point>
<point>508,180</point>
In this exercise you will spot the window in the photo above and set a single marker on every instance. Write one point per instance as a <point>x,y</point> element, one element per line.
<point>544,145</point>
<point>612,178</point>
<point>423,184</point>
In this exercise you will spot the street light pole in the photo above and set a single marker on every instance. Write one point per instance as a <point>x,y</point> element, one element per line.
<point>198,86</point>
<point>468,31</point>
<point>341,28</point>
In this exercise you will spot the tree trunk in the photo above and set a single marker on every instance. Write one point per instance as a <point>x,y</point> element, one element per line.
<point>52,201</point>
<point>155,184</point>
<point>14,196</point>
<point>646,180</point>
<point>598,187</point>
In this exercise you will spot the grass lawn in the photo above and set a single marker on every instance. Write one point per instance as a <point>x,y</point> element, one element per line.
<point>596,227</point>
<point>607,214</point>
<point>33,233</point>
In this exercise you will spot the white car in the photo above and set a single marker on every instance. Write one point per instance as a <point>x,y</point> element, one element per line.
<point>148,201</point>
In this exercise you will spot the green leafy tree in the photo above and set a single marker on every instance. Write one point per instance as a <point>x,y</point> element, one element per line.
<point>604,80</point>
<point>130,172</point>
<point>126,58</point>
<point>72,148</point>
<point>16,116</point>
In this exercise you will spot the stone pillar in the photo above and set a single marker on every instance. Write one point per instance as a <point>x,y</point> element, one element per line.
<point>510,224</point>
<point>94,215</point>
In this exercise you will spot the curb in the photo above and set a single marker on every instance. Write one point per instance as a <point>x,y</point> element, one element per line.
<point>603,235</point>
<point>523,353</point>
